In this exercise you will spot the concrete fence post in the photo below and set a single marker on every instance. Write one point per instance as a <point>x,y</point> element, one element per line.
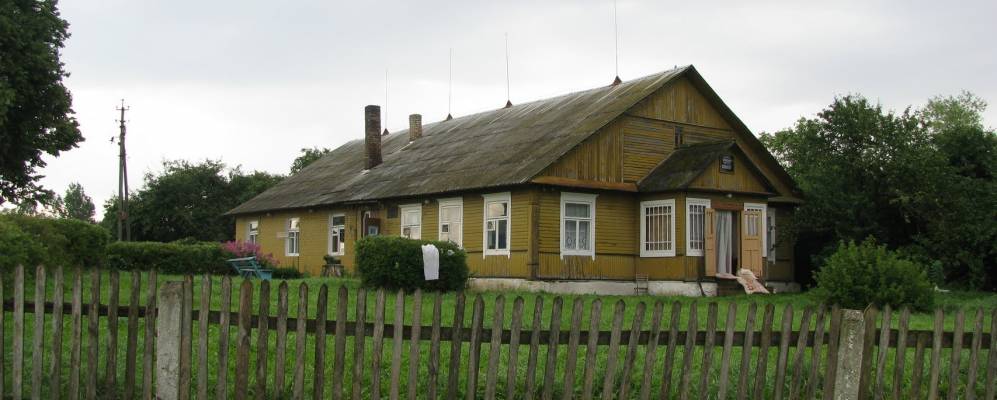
<point>169,304</point>
<point>850,347</point>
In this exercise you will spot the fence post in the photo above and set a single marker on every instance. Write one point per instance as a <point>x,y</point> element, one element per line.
<point>851,345</point>
<point>169,306</point>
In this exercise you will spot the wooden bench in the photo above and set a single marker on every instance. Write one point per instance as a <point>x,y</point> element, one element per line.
<point>249,267</point>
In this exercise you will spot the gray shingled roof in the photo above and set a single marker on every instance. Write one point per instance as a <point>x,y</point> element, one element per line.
<point>683,166</point>
<point>502,147</point>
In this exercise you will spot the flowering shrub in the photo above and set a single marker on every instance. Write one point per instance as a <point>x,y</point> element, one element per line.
<point>240,249</point>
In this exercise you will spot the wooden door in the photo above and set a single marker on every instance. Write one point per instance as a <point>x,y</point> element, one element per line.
<point>751,241</point>
<point>710,242</point>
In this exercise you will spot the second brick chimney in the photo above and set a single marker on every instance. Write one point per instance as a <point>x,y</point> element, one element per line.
<point>414,127</point>
<point>372,135</point>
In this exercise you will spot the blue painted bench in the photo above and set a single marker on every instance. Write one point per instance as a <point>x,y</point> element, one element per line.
<point>249,267</point>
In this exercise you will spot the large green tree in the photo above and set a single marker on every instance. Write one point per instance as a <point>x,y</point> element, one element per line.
<point>76,204</point>
<point>36,115</point>
<point>188,200</point>
<point>307,157</point>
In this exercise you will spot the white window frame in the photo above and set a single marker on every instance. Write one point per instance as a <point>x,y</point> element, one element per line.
<point>334,233</point>
<point>689,202</point>
<point>643,228</point>
<point>578,198</point>
<point>764,209</point>
<point>297,238</point>
<point>452,202</point>
<point>496,198</point>
<point>253,235</point>
<point>402,209</point>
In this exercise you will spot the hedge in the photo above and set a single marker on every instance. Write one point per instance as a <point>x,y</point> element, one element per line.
<point>168,258</point>
<point>395,263</point>
<point>52,242</point>
<point>857,275</point>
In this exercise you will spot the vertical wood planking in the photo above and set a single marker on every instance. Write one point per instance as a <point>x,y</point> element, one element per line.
<point>434,347</point>
<point>761,366</point>
<point>513,362</point>
<point>815,352</point>
<point>37,343</point>
<point>358,343</point>
<point>608,382</point>
<point>455,347</point>
<point>711,331</point>
<point>673,333</point>
<point>991,380</point>
<point>651,352</point>
<point>954,363</point>
<point>262,340</point>
<point>111,362</point>
<point>591,349</point>
<point>918,373</point>
<point>221,390</point>
<point>242,340</point>
<point>93,330</point>
<point>321,309</point>
<point>186,334</point>
<point>901,356</point>
<point>414,347</point>
<point>149,340</point>
<point>749,335</point>
<point>74,336</point>
<point>974,356</point>
<point>936,354</point>
<point>55,371</point>
<point>631,355</point>
<point>17,363</point>
<point>692,331</point>
<point>554,330</point>
<point>784,336</point>
<point>204,308</point>
<point>728,348</point>
<point>339,360</point>
<point>474,356</point>
<point>884,347</point>
<point>574,335</point>
<point>300,341</point>
<point>831,372</point>
<point>869,344</point>
<point>396,346</point>
<point>801,349</point>
<point>495,348</point>
<point>378,346</point>
<point>531,362</point>
<point>131,347</point>
<point>280,356</point>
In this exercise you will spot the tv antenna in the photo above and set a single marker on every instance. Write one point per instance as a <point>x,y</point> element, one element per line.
<point>124,222</point>
<point>616,40</point>
<point>385,119</point>
<point>508,97</point>
<point>450,88</point>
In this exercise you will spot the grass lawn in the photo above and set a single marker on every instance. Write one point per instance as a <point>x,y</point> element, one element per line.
<point>948,301</point>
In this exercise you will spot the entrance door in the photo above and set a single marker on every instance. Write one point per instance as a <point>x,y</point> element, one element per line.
<point>751,242</point>
<point>725,242</point>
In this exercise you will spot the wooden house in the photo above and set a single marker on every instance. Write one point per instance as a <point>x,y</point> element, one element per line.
<point>654,177</point>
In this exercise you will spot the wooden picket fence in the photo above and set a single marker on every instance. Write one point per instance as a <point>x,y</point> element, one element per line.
<point>340,351</point>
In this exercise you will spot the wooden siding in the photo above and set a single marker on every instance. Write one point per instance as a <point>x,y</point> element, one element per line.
<point>743,179</point>
<point>680,101</point>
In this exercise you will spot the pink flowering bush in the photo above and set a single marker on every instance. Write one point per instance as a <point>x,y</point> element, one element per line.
<point>239,249</point>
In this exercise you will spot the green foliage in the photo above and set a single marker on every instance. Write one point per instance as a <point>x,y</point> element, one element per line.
<point>168,258</point>
<point>395,263</point>
<point>76,204</point>
<point>188,200</point>
<point>287,273</point>
<point>36,116</point>
<point>857,275</point>
<point>64,242</point>
<point>18,247</point>
<point>307,157</point>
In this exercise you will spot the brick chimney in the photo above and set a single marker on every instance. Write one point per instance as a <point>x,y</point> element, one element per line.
<point>414,127</point>
<point>372,138</point>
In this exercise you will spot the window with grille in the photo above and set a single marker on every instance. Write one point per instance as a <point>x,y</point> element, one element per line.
<point>695,228</point>
<point>657,228</point>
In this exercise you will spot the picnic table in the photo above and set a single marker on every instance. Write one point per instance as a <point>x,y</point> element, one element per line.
<point>249,267</point>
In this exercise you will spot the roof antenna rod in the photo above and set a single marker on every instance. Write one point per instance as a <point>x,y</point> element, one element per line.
<point>450,88</point>
<point>385,133</point>
<point>508,98</point>
<point>616,38</point>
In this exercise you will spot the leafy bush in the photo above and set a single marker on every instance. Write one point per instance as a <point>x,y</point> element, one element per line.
<point>18,248</point>
<point>240,249</point>
<point>857,275</point>
<point>287,273</point>
<point>394,263</point>
<point>168,258</point>
<point>63,242</point>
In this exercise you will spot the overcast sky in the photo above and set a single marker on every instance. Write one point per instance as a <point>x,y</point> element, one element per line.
<point>252,82</point>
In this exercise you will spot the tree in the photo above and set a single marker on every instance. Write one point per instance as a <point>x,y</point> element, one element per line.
<point>76,204</point>
<point>307,157</point>
<point>36,116</point>
<point>188,200</point>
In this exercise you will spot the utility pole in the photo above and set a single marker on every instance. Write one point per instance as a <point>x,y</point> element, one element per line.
<point>124,224</point>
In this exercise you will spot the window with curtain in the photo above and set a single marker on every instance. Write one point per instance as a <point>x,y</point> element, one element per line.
<point>578,224</point>
<point>337,235</point>
<point>452,220</point>
<point>293,241</point>
<point>497,224</point>
<point>411,221</point>
<point>253,234</point>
